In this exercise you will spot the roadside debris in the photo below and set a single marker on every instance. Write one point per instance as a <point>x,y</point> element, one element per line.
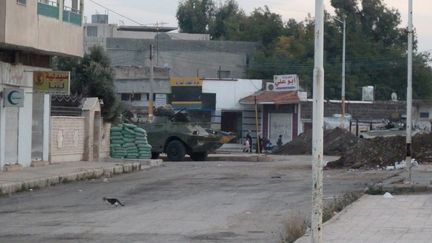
<point>336,142</point>
<point>356,153</point>
<point>382,152</point>
<point>388,195</point>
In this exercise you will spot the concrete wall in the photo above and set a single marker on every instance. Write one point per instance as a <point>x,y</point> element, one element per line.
<point>67,139</point>
<point>359,110</point>
<point>184,57</point>
<point>2,20</point>
<point>26,29</point>
<point>105,142</point>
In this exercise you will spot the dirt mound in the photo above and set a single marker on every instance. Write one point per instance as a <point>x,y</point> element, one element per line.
<point>336,142</point>
<point>383,151</point>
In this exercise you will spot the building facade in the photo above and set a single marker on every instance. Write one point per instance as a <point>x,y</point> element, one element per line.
<point>31,32</point>
<point>230,115</point>
<point>174,55</point>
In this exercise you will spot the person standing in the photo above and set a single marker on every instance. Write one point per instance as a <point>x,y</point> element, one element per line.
<point>249,137</point>
<point>279,141</point>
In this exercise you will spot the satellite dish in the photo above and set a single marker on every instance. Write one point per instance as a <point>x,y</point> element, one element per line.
<point>394,96</point>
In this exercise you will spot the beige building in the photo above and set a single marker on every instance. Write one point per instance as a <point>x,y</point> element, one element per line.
<point>31,32</point>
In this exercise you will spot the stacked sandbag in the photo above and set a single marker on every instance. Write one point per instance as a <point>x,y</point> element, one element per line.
<point>129,141</point>
<point>129,138</point>
<point>144,148</point>
<point>117,141</point>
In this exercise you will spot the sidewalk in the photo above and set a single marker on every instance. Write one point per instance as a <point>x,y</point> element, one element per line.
<point>404,218</point>
<point>38,177</point>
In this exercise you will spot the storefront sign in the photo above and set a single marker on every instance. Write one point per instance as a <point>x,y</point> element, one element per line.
<point>286,82</point>
<point>13,97</point>
<point>186,81</point>
<point>52,82</point>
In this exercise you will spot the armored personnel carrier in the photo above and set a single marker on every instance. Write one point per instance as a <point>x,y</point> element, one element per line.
<point>174,134</point>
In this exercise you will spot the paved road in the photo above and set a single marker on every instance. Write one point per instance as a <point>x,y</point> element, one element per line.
<point>181,202</point>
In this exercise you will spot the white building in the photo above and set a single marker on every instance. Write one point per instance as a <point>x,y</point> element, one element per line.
<point>229,114</point>
<point>31,32</point>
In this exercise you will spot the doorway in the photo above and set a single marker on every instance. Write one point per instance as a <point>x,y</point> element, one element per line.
<point>280,124</point>
<point>231,121</point>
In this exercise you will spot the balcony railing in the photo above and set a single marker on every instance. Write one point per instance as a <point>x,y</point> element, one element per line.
<point>72,16</point>
<point>48,9</point>
<point>51,9</point>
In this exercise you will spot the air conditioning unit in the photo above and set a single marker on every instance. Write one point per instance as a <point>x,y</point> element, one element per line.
<point>270,86</point>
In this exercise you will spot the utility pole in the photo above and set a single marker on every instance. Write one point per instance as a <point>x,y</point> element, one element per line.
<point>343,22</point>
<point>150,101</point>
<point>409,92</point>
<point>318,125</point>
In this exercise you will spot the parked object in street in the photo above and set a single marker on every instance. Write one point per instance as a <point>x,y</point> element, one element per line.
<point>174,134</point>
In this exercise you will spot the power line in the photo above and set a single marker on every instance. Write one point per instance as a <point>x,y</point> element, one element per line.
<point>119,14</point>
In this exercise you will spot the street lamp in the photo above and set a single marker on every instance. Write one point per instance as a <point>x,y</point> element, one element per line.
<point>343,22</point>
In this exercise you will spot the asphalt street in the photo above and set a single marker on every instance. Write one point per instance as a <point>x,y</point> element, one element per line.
<point>210,201</point>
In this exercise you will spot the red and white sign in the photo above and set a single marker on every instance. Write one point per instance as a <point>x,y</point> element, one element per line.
<point>286,82</point>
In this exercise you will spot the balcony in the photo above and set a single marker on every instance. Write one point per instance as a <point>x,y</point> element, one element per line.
<point>51,9</point>
<point>42,27</point>
<point>72,16</point>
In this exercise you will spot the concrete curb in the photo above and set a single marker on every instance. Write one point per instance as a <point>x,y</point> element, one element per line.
<point>92,173</point>
<point>379,189</point>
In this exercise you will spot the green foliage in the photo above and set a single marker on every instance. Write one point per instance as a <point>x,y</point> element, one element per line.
<point>226,20</point>
<point>194,16</point>
<point>92,76</point>
<point>376,45</point>
<point>376,53</point>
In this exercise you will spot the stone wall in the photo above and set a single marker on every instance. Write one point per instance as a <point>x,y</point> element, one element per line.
<point>67,139</point>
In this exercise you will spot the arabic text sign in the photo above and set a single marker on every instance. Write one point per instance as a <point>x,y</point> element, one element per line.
<point>52,82</point>
<point>286,82</point>
<point>186,81</point>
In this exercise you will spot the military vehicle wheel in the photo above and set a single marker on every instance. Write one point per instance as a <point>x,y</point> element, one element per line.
<point>202,156</point>
<point>175,151</point>
<point>155,155</point>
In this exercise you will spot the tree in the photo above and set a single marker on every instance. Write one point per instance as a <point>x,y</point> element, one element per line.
<point>93,76</point>
<point>195,16</point>
<point>226,19</point>
<point>376,53</point>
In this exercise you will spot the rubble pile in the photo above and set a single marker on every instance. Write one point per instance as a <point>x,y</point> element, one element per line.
<point>381,152</point>
<point>378,152</point>
<point>422,146</point>
<point>336,142</point>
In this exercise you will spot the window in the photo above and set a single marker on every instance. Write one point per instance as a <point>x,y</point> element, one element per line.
<point>136,97</point>
<point>125,97</point>
<point>92,31</point>
<point>22,2</point>
<point>424,114</point>
<point>130,97</point>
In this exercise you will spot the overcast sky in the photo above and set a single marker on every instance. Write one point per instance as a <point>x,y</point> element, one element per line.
<point>149,12</point>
